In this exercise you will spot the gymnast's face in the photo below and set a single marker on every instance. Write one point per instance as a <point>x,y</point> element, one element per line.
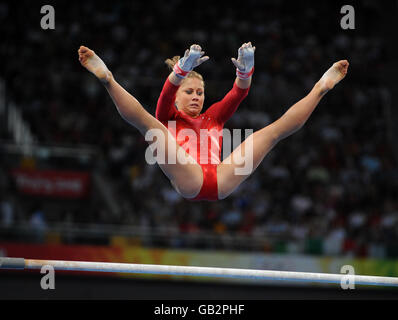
<point>191,96</point>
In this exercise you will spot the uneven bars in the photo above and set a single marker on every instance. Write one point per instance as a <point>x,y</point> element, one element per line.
<point>26,264</point>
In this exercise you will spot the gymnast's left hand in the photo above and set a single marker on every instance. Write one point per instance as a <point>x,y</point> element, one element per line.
<point>245,62</point>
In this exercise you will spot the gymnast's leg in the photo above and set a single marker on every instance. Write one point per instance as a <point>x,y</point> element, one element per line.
<point>187,178</point>
<point>257,145</point>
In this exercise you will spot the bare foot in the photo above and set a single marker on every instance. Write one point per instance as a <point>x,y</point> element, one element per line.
<point>334,75</point>
<point>94,64</point>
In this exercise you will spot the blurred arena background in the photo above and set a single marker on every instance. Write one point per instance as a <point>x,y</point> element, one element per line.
<point>74,183</point>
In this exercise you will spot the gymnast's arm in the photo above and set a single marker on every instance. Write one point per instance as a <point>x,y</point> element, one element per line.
<point>192,58</point>
<point>224,109</point>
<point>165,107</point>
<point>243,83</point>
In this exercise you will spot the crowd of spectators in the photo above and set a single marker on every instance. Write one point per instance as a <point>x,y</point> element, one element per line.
<point>335,180</point>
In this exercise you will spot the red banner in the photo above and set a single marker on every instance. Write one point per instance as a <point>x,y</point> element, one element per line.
<point>62,252</point>
<point>52,183</point>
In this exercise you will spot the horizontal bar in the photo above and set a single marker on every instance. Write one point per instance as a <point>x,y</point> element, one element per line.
<point>209,272</point>
<point>12,263</point>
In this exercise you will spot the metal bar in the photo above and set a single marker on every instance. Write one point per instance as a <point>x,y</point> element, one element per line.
<point>12,263</point>
<point>208,272</point>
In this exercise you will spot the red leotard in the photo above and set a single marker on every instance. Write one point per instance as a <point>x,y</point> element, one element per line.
<point>206,153</point>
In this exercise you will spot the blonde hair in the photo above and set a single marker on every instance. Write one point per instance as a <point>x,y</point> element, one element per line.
<point>193,74</point>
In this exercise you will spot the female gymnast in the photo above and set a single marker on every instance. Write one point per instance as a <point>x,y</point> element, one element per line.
<point>182,99</point>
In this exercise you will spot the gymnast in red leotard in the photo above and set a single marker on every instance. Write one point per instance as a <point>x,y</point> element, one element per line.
<point>181,101</point>
<point>205,176</point>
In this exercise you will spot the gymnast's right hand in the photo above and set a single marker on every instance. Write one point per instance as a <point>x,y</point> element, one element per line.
<point>192,58</point>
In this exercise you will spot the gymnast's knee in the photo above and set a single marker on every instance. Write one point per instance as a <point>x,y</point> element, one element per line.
<point>188,189</point>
